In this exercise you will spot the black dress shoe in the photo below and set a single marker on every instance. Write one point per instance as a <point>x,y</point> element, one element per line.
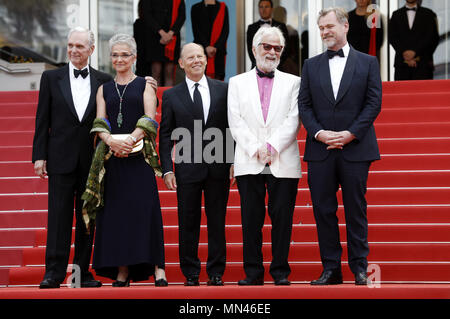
<point>328,277</point>
<point>282,282</point>
<point>91,283</point>
<point>48,283</point>
<point>215,281</point>
<point>361,279</point>
<point>161,283</point>
<point>192,281</point>
<point>251,282</point>
<point>119,283</point>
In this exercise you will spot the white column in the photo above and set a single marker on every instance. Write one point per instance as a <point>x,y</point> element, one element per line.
<point>249,19</point>
<point>393,5</point>
<point>384,11</point>
<point>92,8</point>
<point>315,42</point>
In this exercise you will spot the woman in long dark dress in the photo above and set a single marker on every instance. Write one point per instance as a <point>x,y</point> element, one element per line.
<point>129,242</point>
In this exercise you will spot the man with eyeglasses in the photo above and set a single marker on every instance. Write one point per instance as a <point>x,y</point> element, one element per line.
<point>263,119</point>
<point>265,8</point>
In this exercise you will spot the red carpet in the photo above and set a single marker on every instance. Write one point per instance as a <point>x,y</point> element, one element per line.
<point>408,196</point>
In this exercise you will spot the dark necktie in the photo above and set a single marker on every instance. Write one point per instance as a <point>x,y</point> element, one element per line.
<point>261,74</point>
<point>261,22</point>
<point>84,73</point>
<point>198,102</point>
<point>332,54</point>
<point>409,9</point>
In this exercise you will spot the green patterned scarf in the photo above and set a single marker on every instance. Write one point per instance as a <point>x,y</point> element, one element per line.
<point>93,195</point>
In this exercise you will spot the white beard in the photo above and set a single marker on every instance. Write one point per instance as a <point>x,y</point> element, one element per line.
<point>266,64</point>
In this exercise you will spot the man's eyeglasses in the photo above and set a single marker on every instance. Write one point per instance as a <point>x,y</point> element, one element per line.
<point>269,47</point>
<point>123,56</point>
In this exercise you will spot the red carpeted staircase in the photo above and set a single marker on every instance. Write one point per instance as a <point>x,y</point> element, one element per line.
<point>408,196</point>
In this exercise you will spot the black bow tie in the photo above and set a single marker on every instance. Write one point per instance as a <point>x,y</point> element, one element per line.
<point>261,22</point>
<point>332,54</point>
<point>269,75</point>
<point>84,73</point>
<point>413,9</point>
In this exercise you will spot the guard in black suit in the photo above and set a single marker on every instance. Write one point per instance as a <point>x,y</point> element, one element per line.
<point>194,114</point>
<point>62,148</point>
<point>265,12</point>
<point>413,32</point>
<point>340,98</point>
<point>210,26</point>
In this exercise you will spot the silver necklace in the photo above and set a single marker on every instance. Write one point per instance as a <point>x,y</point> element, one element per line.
<point>120,116</point>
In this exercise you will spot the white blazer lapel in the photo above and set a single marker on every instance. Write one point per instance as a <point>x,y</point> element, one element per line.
<point>255,99</point>
<point>275,96</point>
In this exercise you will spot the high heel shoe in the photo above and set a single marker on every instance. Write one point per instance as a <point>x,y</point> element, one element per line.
<point>161,282</point>
<point>119,283</point>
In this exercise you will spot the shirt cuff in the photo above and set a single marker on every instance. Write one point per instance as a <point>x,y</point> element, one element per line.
<point>317,134</point>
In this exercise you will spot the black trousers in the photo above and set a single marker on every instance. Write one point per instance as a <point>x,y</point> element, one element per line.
<point>324,179</point>
<point>189,197</point>
<point>63,194</point>
<point>421,72</point>
<point>282,193</point>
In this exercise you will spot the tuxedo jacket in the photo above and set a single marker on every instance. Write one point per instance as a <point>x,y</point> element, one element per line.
<point>60,137</point>
<point>178,127</point>
<point>251,132</point>
<point>423,38</point>
<point>356,107</point>
<point>254,27</point>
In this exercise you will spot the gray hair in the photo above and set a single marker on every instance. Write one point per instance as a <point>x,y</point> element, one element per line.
<point>122,38</point>
<point>267,30</point>
<point>341,14</point>
<point>90,34</point>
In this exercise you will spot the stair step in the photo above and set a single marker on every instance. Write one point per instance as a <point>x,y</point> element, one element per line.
<point>416,87</point>
<point>411,100</point>
<point>18,108</point>
<point>438,178</point>
<point>300,234</point>
<point>19,96</point>
<point>383,214</point>
<point>300,272</point>
<point>388,162</point>
<point>387,146</point>
<point>305,252</point>
<point>375,196</point>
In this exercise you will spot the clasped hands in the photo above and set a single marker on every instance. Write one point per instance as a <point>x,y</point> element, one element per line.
<point>120,148</point>
<point>410,58</point>
<point>335,140</point>
<point>166,37</point>
<point>265,155</point>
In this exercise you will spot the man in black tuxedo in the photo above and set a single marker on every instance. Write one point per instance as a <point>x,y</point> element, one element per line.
<point>62,149</point>
<point>413,32</point>
<point>192,110</point>
<point>265,12</point>
<point>340,98</point>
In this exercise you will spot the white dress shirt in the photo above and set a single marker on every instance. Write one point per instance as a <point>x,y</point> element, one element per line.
<point>204,92</point>
<point>411,15</point>
<point>81,91</point>
<point>337,66</point>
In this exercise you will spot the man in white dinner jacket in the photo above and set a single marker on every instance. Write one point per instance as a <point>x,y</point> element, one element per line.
<point>263,119</point>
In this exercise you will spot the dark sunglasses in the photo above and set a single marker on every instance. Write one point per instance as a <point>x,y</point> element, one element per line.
<point>269,47</point>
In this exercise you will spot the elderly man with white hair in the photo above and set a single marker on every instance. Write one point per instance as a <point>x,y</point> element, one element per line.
<point>264,122</point>
<point>62,149</point>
